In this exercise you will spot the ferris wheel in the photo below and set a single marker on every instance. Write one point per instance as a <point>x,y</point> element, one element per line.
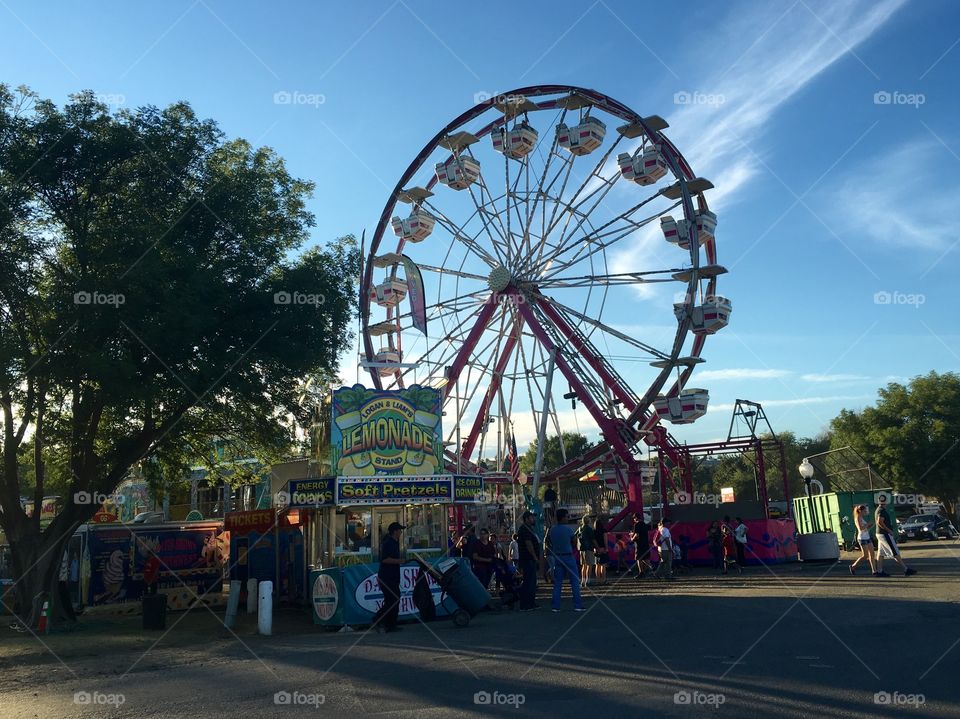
<point>505,271</point>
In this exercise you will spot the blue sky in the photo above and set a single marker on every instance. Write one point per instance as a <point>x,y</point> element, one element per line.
<point>829,129</point>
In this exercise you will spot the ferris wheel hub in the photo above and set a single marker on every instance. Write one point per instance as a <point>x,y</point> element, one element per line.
<point>499,278</point>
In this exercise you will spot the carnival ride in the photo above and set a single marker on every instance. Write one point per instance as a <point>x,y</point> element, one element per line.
<point>509,251</point>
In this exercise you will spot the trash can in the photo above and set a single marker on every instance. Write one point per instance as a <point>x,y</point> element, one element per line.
<point>155,611</point>
<point>462,586</point>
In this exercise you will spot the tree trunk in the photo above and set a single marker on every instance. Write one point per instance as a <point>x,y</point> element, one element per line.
<point>36,564</point>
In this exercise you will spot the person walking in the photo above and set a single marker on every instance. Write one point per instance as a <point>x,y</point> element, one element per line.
<point>740,535</point>
<point>483,552</point>
<point>729,550</point>
<point>715,542</point>
<point>388,576</point>
<point>863,526</point>
<point>640,536</point>
<point>600,539</point>
<point>529,559</point>
<point>586,545</point>
<point>886,544</point>
<point>562,544</point>
<point>665,548</point>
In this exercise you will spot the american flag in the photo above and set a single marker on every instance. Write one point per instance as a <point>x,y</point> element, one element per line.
<point>513,458</point>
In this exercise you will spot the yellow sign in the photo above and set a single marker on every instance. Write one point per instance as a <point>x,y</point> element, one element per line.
<point>378,432</point>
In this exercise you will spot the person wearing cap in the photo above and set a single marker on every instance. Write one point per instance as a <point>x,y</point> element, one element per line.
<point>886,544</point>
<point>529,555</point>
<point>388,575</point>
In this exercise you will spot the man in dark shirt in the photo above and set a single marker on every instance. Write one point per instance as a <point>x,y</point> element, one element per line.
<point>886,543</point>
<point>529,558</point>
<point>388,575</point>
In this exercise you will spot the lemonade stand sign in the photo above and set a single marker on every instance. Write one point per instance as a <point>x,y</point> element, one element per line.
<point>386,432</point>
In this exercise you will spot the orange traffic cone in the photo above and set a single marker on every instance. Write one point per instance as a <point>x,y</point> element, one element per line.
<point>42,625</point>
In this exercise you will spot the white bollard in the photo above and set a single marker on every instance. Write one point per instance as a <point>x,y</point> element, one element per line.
<point>252,595</point>
<point>233,601</point>
<point>265,610</point>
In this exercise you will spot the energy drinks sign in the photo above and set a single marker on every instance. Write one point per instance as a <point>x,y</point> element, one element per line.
<point>386,432</point>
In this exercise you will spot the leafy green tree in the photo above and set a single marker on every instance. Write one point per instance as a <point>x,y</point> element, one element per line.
<point>911,434</point>
<point>555,455</point>
<point>154,298</point>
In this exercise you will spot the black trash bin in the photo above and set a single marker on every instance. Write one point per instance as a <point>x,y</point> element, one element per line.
<point>155,611</point>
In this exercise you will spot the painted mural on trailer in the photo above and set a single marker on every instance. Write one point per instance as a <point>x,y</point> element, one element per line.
<point>386,432</point>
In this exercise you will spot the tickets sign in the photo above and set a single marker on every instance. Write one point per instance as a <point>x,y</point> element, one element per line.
<point>387,432</point>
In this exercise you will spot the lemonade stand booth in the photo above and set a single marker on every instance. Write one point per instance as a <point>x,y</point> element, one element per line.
<point>387,451</point>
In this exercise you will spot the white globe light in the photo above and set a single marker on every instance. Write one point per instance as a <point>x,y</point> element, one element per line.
<point>806,469</point>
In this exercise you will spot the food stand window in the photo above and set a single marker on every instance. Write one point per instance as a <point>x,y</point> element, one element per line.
<point>353,533</point>
<point>425,533</point>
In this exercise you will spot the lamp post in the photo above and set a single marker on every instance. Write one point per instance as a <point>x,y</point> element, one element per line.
<point>806,472</point>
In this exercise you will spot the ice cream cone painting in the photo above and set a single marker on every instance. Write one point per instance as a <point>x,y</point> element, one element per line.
<point>387,432</point>
<point>114,572</point>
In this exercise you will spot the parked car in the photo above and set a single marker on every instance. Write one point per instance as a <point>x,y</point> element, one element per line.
<point>927,526</point>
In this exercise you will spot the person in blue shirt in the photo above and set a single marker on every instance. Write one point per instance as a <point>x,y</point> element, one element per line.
<point>562,542</point>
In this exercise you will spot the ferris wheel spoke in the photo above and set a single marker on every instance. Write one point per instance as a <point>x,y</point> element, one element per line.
<point>595,175</point>
<point>616,234</point>
<point>456,273</point>
<point>469,243</point>
<point>619,278</point>
<point>570,312</point>
<point>566,235</point>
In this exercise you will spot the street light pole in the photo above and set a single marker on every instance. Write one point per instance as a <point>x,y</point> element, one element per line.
<point>807,472</point>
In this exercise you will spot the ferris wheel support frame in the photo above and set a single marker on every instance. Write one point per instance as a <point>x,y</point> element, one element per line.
<point>608,427</point>
<point>469,444</point>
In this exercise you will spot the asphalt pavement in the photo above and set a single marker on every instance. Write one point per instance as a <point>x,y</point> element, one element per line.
<point>788,641</point>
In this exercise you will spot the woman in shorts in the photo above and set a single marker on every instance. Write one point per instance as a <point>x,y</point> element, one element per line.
<point>867,550</point>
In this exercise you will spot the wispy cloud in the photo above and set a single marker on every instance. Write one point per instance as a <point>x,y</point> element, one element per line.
<point>763,60</point>
<point>799,401</point>
<point>904,198</point>
<point>740,374</point>
<point>814,377</point>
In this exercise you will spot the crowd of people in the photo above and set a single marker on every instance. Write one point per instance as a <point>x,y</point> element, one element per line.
<point>579,554</point>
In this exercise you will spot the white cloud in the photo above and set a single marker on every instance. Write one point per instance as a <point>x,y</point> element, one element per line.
<point>740,373</point>
<point>900,199</point>
<point>793,402</point>
<point>760,63</point>
<point>814,377</point>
